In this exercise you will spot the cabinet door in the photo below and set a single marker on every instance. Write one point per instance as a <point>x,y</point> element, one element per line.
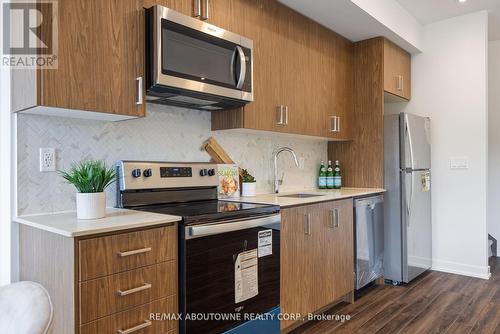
<point>259,21</point>
<point>397,69</point>
<point>297,262</point>
<point>185,7</point>
<point>100,56</point>
<point>341,87</point>
<point>339,241</point>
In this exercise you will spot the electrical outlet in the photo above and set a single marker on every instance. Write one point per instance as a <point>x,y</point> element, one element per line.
<point>47,159</point>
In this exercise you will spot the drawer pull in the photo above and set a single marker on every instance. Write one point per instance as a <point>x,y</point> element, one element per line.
<point>143,287</point>
<point>134,252</point>
<point>145,324</point>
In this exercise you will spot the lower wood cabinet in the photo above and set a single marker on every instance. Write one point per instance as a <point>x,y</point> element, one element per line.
<point>110,283</point>
<point>317,257</point>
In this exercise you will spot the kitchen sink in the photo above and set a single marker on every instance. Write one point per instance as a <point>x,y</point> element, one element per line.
<point>301,195</point>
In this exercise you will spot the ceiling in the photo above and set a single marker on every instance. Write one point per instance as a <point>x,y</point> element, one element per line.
<point>347,19</point>
<point>430,11</point>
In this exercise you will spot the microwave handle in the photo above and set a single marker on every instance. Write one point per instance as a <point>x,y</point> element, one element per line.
<point>243,67</point>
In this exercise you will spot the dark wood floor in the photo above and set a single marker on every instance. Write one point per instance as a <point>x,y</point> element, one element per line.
<point>434,303</point>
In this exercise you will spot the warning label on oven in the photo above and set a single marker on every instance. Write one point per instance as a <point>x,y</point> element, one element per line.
<point>265,243</point>
<point>246,284</point>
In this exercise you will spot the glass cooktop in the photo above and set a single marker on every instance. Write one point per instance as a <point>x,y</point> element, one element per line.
<point>211,210</point>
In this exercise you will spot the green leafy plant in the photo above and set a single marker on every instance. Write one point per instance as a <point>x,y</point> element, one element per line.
<point>246,177</point>
<point>90,176</point>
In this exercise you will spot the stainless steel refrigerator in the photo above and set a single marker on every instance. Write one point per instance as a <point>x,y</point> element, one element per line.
<point>408,222</point>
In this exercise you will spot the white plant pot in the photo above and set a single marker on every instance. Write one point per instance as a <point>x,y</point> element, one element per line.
<point>248,189</point>
<point>91,205</point>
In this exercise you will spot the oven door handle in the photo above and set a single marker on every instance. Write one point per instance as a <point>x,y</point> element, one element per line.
<point>234,225</point>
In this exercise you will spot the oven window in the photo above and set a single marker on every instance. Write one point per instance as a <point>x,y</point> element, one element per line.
<point>209,281</point>
<point>194,55</point>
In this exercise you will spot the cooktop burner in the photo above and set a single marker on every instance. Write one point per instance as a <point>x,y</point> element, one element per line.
<point>211,210</point>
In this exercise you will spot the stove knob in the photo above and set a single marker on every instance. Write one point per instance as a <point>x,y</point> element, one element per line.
<point>147,172</point>
<point>136,173</point>
<point>203,172</point>
<point>211,172</point>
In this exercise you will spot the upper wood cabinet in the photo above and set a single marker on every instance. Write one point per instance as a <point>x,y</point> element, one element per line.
<point>302,73</point>
<point>100,59</point>
<point>317,257</point>
<point>397,71</point>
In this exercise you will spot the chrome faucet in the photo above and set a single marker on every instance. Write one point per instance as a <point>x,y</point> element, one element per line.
<point>277,182</point>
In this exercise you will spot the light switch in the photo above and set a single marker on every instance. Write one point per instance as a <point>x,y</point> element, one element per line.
<point>459,163</point>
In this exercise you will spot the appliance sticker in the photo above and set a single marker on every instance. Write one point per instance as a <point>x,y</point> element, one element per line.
<point>265,243</point>
<point>246,284</point>
<point>426,181</point>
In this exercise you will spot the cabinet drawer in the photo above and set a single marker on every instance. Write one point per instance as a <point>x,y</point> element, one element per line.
<point>112,254</point>
<point>137,318</point>
<point>111,294</point>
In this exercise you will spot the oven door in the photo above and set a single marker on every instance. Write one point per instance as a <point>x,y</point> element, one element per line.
<point>229,269</point>
<point>192,55</point>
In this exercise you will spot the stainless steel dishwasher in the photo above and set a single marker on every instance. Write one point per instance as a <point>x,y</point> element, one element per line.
<point>369,249</point>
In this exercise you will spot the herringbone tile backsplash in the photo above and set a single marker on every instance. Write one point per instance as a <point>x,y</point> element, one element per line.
<point>166,134</point>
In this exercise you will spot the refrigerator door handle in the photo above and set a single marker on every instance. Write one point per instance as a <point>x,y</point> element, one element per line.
<point>409,200</point>
<point>410,142</point>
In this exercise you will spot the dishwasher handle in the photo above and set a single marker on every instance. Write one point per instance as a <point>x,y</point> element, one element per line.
<point>369,201</point>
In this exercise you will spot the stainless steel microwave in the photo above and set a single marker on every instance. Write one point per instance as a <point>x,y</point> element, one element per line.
<point>193,64</point>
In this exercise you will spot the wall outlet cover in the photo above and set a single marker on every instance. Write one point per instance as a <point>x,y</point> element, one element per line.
<point>459,163</point>
<point>47,159</point>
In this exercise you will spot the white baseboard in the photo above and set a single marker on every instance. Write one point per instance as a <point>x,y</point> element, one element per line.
<point>461,269</point>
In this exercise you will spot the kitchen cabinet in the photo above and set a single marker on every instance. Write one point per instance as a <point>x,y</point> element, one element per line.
<point>317,257</point>
<point>378,67</point>
<point>302,74</point>
<point>105,283</point>
<point>397,71</point>
<point>100,63</point>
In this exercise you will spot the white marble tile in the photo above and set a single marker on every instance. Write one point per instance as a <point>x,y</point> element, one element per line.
<point>166,134</point>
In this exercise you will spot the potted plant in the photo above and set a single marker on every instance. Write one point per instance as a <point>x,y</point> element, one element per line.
<point>90,179</point>
<point>248,183</point>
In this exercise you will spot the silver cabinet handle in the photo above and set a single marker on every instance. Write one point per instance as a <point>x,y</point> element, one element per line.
<point>205,14</point>
<point>334,124</point>
<point>281,120</point>
<point>139,90</point>
<point>243,67</point>
<point>143,287</point>
<point>130,330</point>
<point>337,217</point>
<point>286,115</point>
<point>134,252</point>
<point>307,224</point>
<point>196,8</point>
<point>400,82</point>
<point>332,219</point>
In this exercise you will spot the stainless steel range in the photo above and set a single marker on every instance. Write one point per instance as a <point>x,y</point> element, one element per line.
<point>229,252</point>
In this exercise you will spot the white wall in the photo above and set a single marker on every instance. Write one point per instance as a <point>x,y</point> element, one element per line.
<point>494,142</point>
<point>5,177</point>
<point>449,82</point>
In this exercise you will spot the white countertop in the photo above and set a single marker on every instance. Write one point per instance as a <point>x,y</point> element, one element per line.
<point>66,223</point>
<point>326,195</point>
